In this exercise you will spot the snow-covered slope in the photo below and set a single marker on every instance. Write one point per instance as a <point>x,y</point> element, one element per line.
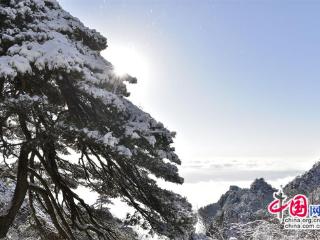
<point>307,184</point>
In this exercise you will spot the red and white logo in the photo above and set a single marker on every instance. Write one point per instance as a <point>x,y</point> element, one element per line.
<point>298,205</point>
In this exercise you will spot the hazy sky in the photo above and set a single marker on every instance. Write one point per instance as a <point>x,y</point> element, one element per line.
<point>237,80</point>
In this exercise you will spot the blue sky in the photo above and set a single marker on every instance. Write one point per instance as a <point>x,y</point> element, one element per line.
<point>237,80</point>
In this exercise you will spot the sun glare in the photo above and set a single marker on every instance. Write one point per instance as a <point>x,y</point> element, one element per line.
<point>127,60</point>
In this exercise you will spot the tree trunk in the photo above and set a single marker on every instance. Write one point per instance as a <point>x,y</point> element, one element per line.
<point>7,216</point>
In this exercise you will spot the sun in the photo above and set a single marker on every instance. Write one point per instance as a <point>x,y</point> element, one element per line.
<point>127,60</point>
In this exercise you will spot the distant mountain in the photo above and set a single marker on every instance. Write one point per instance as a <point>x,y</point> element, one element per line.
<point>240,205</point>
<point>241,213</point>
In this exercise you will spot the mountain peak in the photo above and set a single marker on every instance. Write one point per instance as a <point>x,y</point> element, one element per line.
<point>260,184</point>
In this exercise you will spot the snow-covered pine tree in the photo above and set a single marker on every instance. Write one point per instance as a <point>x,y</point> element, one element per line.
<point>59,96</point>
